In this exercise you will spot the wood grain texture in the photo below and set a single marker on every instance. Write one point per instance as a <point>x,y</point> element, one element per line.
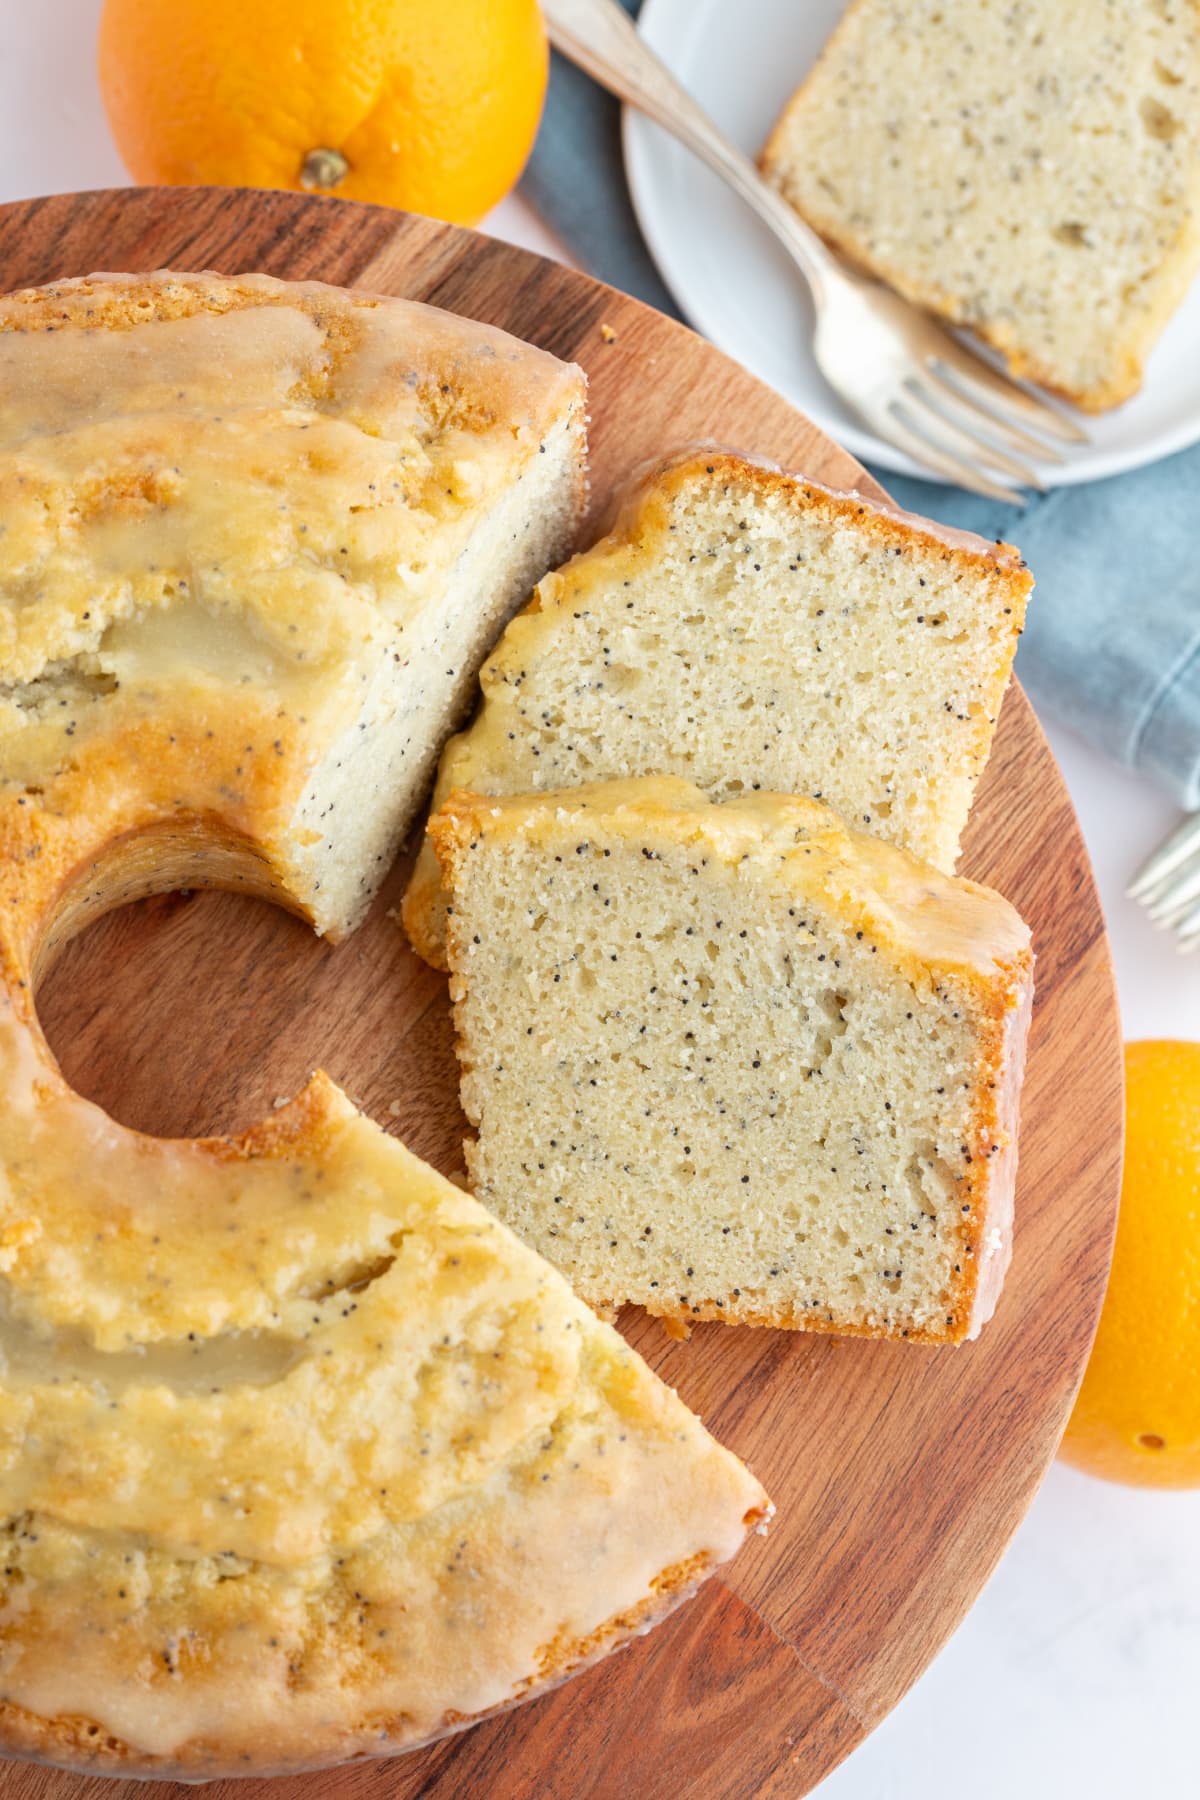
<point>899,1473</point>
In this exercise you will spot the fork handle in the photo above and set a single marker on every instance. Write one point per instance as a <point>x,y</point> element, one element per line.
<point>600,37</point>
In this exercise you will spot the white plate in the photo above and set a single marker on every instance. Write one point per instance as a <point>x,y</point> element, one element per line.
<point>742,59</point>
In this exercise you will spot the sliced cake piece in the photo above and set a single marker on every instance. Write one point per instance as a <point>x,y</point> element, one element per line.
<point>735,1061</point>
<point>1031,171</point>
<point>749,630</point>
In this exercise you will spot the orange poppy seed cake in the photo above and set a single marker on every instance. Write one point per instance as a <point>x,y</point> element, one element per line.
<point>1030,171</point>
<point>303,1456</point>
<point>748,630</point>
<point>737,1061</point>
<point>321,504</point>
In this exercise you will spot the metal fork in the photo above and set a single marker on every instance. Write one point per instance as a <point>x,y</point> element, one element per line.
<point>1168,883</point>
<point>912,382</point>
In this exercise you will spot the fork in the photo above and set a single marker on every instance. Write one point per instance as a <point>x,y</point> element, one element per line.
<point>911,382</point>
<point>1168,883</point>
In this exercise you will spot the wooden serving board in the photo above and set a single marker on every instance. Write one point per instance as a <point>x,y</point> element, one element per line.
<point>899,1472</point>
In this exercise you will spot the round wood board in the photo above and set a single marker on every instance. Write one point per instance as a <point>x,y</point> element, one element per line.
<point>899,1472</point>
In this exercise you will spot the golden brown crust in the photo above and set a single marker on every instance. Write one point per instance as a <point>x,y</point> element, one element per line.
<point>422,910</point>
<point>437,405</point>
<point>523,377</point>
<point>926,917</point>
<point>987,1241</point>
<point>1101,397</point>
<point>80,1744</point>
<point>667,475</point>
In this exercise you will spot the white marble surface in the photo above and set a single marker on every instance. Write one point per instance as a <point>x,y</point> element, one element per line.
<point>1077,1672</point>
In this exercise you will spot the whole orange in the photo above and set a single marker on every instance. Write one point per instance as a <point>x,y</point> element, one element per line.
<point>1137,1418</point>
<point>431,105</point>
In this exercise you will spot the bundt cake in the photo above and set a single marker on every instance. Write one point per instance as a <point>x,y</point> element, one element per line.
<point>302,1455</point>
<point>308,509</point>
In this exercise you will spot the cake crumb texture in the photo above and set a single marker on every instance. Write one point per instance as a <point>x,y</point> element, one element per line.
<point>735,1060</point>
<point>749,630</point>
<point>1027,168</point>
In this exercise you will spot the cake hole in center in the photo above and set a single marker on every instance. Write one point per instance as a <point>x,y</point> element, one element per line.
<point>177,1014</point>
<point>191,1014</point>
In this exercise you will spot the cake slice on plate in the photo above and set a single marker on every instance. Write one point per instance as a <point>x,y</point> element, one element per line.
<point>1029,171</point>
<point>746,629</point>
<point>736,1061</point>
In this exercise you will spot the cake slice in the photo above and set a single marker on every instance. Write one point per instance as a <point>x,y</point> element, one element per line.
<point>748,629</point>
<point>1031,171</point>
<point>736,1061</point>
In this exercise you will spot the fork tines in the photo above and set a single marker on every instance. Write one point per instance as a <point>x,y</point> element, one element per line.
<point>1168,883</point>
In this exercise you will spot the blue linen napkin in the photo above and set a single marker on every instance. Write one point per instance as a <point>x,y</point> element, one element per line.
<point>1112,641</point>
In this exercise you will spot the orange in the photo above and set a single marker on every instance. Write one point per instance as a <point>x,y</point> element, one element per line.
<point>431,105</point>
<point>1137,1418</point>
